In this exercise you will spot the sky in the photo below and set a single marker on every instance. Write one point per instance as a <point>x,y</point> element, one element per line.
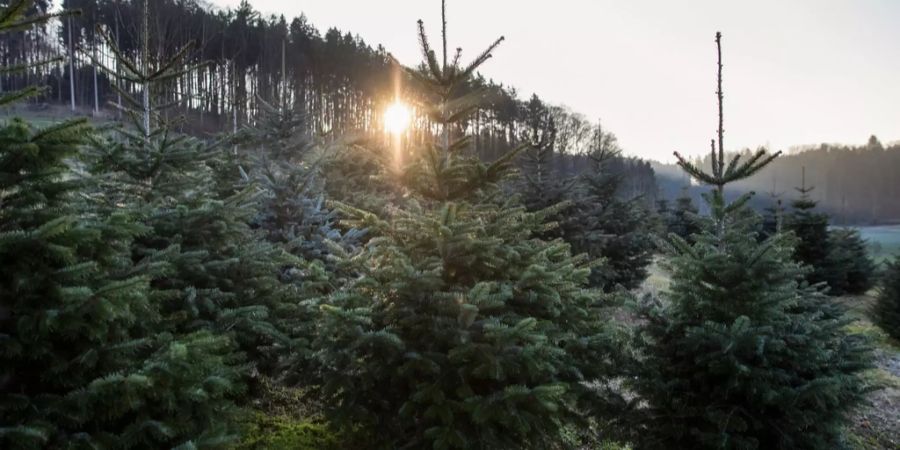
<point>795,72</point>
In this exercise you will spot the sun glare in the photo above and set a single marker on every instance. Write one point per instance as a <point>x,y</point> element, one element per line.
<point>396,118</point>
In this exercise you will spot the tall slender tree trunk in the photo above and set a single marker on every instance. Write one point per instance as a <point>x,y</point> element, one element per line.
<point>71,67</point>
<point>145,67</point>
<point>284,90</point>
<point>118,74</point>
<point>96,94</point>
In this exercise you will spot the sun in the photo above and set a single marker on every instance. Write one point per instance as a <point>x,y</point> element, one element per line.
<point>396,118</point>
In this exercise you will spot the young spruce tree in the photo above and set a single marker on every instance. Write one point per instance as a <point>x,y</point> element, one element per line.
<point>608,226</point>
<point>741,354</point>
<point>811,230</point>
<point>287,164</point>
<point>541,185</point>
<point>219,276</point>
<point>465,331</point>
<point>848,269</point>
<point>85,361</point>
<point>683,219</point>
<point>887,306</point>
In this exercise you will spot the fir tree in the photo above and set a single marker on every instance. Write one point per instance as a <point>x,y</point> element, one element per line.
<point>847,268</point>
<point>683,220</point>
<point>220,275</point>
<point>886,312</point>
<point>773,219</point>
<point>541,186</point>
<point>465,331</point>
<point>85,360</point>
<point>609,227</point>
<point>742,355</point>
<point>287,165</point>
<point>811,230</point>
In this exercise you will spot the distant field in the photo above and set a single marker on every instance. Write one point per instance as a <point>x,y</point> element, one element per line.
<point>884,241</point>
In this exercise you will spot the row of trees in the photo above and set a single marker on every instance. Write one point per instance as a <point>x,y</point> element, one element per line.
<point>153,282</point>
<point>854,184</point>
<point>836,257</point>
<point>339,81</point>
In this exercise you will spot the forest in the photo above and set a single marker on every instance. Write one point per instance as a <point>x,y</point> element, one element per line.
<point>221,230</point>
<point>855,185</point>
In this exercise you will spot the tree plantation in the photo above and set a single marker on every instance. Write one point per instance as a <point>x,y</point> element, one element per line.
<point>264,237</point>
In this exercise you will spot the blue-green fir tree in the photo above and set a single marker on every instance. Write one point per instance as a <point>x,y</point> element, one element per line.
<point>288,165</point>
<point>811,230</point>
<point>682,219</point>
<point>464,330</point>
<point>741,353</point>
<point>218,274</point>
<point>886,312</point>
<point>848,269</point>
<point>86,359</point>
<point>619,230</point>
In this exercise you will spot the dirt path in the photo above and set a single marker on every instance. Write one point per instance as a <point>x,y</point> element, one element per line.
<point>877,426</point>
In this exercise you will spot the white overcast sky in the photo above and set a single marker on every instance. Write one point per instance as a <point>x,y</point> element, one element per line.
<point>796,72</point>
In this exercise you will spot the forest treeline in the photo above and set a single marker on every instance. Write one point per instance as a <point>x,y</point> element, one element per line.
<point>340,82</point>
<point>854,184</point>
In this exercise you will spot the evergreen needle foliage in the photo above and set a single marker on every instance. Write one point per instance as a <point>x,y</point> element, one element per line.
<point>465,330</point>
<point>588,210</point>
<point>811,229</point>
<point>835,257</point>
<point>15,15</point>
<point>607,226</point>
<point>683,219</point>
<point>887,306</point>
<point>288,166</point>
<point>741,354</point>
<point>85,360</point>
<point>848,268</point>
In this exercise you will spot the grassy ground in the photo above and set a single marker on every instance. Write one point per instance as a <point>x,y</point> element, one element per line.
<point>877,425</point>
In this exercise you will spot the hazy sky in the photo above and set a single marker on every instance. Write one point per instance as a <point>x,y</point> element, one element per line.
<point>796,72</point>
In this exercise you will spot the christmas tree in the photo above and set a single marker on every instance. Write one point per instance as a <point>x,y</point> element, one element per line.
<point>219,274</point>
<point>740,354</point>
<point>465,330</point>
<point>886,312</point>
<point>541,186</point>
<point>86,361</point>
<point>811,230</point>
<point>288,166</point>
<point>683,219</point>
<point>607,226</point>
<point>773,219</point>
<point>847,268</point>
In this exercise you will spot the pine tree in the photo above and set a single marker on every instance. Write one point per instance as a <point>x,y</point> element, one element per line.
<point>220,275</point>
<point>465,331</point>
<point>847,268</point>
<point>609,227</point>
<point>773,219</point>
<point>84,363</point>
<point>288,166</point>
<point>742,355</point>
<point>886,312</point>
<point>811,230</point>
<point>542,187</point>
<point>683,221</point>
